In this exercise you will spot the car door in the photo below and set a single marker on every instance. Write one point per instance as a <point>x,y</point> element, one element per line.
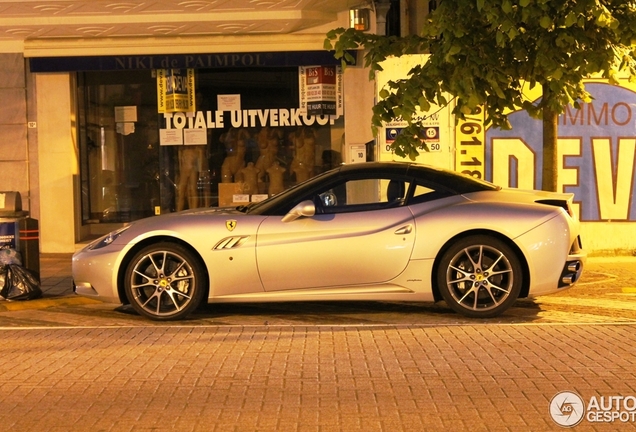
<point>360,238</point>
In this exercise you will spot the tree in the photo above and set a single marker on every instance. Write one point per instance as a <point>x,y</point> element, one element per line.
<point>483,53</point>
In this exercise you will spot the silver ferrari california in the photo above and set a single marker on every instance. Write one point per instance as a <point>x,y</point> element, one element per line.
<point>368,231</point>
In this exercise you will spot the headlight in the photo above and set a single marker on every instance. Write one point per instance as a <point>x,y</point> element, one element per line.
<point>107,239</point>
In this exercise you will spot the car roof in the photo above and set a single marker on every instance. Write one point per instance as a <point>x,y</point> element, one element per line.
<point>452,180</point>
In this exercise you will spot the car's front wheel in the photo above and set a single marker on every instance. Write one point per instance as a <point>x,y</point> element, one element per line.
<point>479,276</point>
<point>164,281</point>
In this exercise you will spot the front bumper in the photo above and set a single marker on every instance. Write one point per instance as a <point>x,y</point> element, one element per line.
<point>95,274</point>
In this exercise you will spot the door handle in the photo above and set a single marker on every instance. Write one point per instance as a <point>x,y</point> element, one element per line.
<point>404,230</point>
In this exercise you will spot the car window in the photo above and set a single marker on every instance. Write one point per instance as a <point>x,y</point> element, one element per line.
<point>424,193</point>
<point>363,195</point>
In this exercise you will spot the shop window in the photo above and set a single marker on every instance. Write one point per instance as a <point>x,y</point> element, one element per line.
<point>119,146</point>
<point>132,167</point>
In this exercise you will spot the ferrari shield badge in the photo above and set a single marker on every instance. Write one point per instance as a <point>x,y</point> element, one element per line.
<point>230,224</point>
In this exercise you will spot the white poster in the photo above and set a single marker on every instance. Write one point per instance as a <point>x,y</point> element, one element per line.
<point>125,128</point>
<point>125,114</point>
<point>170,137</point>
<point>195,136</point>
<point>229,102</point>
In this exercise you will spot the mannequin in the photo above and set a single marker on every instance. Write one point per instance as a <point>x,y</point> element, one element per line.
<point>235,141</point>
<point>249,177</point>
<point>192,161</point>
<point>304,160</point>
<point>193,179</point>
<point>268,146</point>
<point>275,179</point>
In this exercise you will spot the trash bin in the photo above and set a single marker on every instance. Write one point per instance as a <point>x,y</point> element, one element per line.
<point>18,231</point>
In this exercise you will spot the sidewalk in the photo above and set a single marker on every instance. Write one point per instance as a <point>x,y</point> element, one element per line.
<point>56,283</point>
<point>55,275</point>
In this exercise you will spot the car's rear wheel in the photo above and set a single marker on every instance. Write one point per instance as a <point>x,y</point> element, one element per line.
<point>164,281</point>
<point>479,276</point>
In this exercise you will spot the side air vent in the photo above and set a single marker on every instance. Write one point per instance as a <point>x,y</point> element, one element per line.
<point>231,242</point>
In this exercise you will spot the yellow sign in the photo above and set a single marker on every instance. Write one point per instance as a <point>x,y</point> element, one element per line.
<point>175,90</point>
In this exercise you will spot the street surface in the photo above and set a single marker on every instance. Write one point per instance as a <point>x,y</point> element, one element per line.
<point>71,364</point>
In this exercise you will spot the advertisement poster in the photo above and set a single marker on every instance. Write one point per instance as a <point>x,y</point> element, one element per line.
<point>596,146</point>
<point>320,90</point>
<point>175,90</point>
<point>437,121</point>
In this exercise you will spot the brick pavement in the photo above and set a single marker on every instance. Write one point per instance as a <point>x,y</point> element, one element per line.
<point>55,273</point>
<point>472,378</point>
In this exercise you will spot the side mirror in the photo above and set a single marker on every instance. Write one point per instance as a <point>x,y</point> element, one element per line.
<point>303,209</point>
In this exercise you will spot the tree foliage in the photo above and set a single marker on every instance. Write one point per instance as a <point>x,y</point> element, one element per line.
<point>483,53</point>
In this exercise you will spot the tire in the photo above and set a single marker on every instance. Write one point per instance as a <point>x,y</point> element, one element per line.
<point>479,277</point>
<point>164,282</point>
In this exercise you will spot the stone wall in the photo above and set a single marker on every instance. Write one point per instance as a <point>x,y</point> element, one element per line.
<point>18,159</point>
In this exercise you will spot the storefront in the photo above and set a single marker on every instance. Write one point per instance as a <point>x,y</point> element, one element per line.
<point>250,134</point>
<point>66,69</point>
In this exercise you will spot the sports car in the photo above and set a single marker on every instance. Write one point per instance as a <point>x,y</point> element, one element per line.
<point>382,231</point>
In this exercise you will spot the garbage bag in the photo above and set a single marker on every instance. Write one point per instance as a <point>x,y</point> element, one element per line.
<point>10,256</point>
<point>20,283</point>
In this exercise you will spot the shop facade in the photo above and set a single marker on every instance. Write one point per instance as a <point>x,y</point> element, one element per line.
<point>103,155</point>
<point>245,138</point>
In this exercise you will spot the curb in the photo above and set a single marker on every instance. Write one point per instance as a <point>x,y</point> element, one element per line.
<point>44,303</point>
